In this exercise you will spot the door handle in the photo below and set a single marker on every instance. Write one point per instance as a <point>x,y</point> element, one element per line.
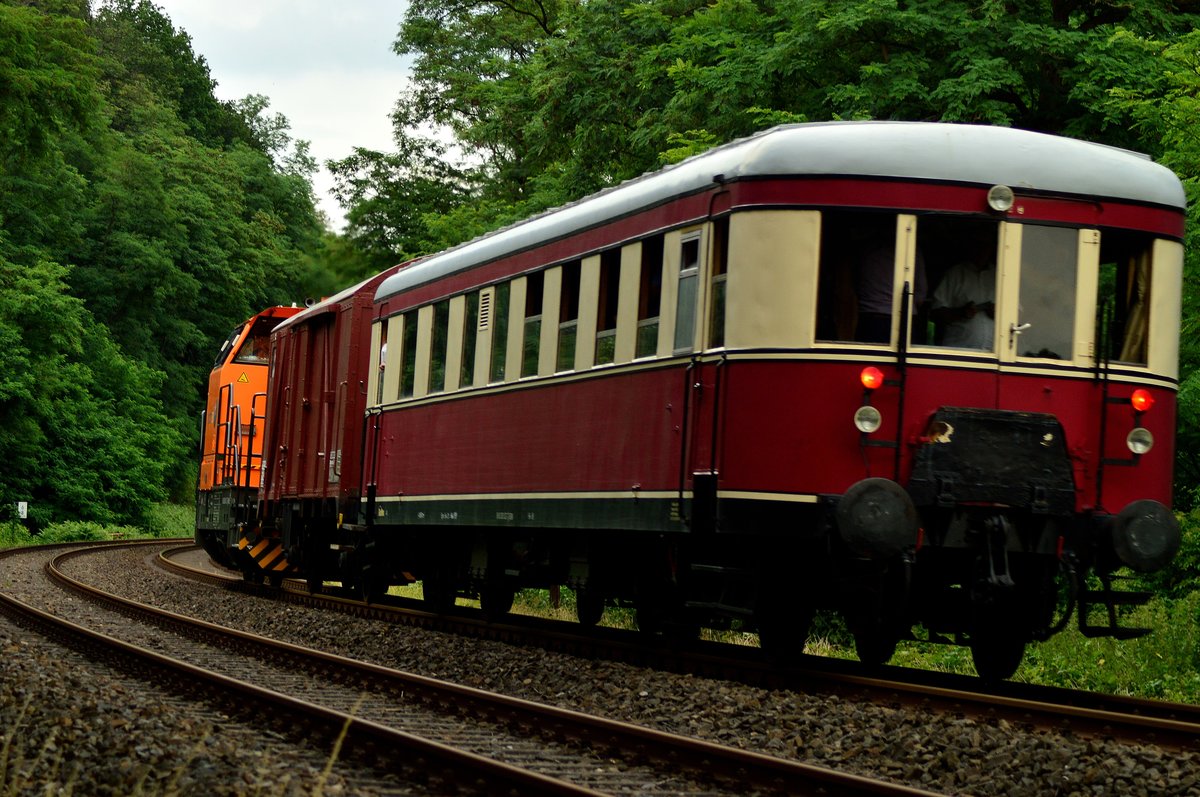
<point>1014,330</point>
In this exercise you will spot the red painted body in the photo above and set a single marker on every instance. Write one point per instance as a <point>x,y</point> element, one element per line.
<point>718,482</point>
<point>316,402</point>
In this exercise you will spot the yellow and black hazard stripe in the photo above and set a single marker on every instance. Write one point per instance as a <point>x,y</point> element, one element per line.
<point>267,554</point>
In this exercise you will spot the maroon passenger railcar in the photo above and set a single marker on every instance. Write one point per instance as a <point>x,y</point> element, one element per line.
<point>921,374</point>
<point>313,435</point>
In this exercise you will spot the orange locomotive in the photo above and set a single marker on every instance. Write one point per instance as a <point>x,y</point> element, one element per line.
<point>231,453</point>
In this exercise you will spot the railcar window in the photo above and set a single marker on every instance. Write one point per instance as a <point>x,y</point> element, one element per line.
<point>437,358</point>
<point>959,256</point>
<point>1123,300</point>
<point>568,316</point>
<point>857,272</point>
<point>534,286</point>
<point>499,333</point>
<point>716,329</point>
<point>606,316</point>
<point>408,354</point>
<point>228,344</point>
<point>466,371</point>
<point>256,348</point>
<point>1049,261</point>
<point>689,274</point>
<point>649,297</point>
<point>383,331</point>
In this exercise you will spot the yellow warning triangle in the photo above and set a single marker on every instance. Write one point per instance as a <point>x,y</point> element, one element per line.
<point>243,378</point>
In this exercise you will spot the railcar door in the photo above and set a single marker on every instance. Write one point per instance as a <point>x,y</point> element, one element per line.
<point>699,328</point>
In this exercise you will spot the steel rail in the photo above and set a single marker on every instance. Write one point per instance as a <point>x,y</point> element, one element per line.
<point>698,759</point>
<point>1130,719</point>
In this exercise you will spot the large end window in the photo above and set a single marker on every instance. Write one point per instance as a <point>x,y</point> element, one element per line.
<point>857,271</point>
<point>1046,318</point>
<point>958,257</point>
<point>1123,300</point>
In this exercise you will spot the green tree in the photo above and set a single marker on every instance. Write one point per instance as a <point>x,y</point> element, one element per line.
<point>140,218</point>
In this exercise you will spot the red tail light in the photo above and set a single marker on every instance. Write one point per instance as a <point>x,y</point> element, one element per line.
<point>872,377</point>
<point>1141,400</point>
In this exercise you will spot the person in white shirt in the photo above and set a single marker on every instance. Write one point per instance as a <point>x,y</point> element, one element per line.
<point>965,303</point>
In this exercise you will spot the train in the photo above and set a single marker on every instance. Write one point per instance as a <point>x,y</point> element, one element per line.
<point>922,375</point>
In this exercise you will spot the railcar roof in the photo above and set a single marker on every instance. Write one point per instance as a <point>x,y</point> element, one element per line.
<point>971,154</point>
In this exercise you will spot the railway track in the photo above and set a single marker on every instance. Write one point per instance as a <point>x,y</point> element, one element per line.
<point>474,740</point>
<point>1171,725</point>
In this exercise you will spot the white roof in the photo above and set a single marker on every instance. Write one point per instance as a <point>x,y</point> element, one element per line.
<point>970,154</point>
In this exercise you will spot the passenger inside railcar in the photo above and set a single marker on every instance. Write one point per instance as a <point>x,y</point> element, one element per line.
<point>964,303</point>
<point>857,275</point>
<point>961,259</point>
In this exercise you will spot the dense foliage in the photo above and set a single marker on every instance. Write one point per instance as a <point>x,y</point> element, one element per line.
<point>140,218</point>
<point>521,105</point>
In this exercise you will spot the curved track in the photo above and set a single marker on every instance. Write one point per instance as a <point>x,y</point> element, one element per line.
<point>484,742</point>
<point>1172,725</point>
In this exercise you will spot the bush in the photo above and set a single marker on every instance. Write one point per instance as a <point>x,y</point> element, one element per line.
<point>14,535</point>
<point>171,520</point>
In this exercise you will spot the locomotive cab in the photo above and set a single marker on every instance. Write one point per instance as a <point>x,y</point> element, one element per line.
<point>231,434</point>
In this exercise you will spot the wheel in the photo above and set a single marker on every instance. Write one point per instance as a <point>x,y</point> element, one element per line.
<point>874,643</point>
<point>660,616</point>
<point>996,654</point>
<point>438,591</point>
<point>275,579</point>
<point>589,606</point>
<point>649,614</point>
<point>496,599</point>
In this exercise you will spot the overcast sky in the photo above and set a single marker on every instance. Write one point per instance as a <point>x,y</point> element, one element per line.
<point>328,67</point>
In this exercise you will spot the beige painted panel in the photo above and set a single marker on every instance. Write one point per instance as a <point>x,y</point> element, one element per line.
<point>373,370</point>
<point>905,270</point>
<point>1008,294</point>
<point>627,302</point>
<point>424,351</point>
<point>1166,286</point>
<point>589,307</point>
<point>454,342</point>
<point>551,302</point>
<point>771,289</point>
<point>516,328</point>
<point>1087,277</point>
<point>483,343</point>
